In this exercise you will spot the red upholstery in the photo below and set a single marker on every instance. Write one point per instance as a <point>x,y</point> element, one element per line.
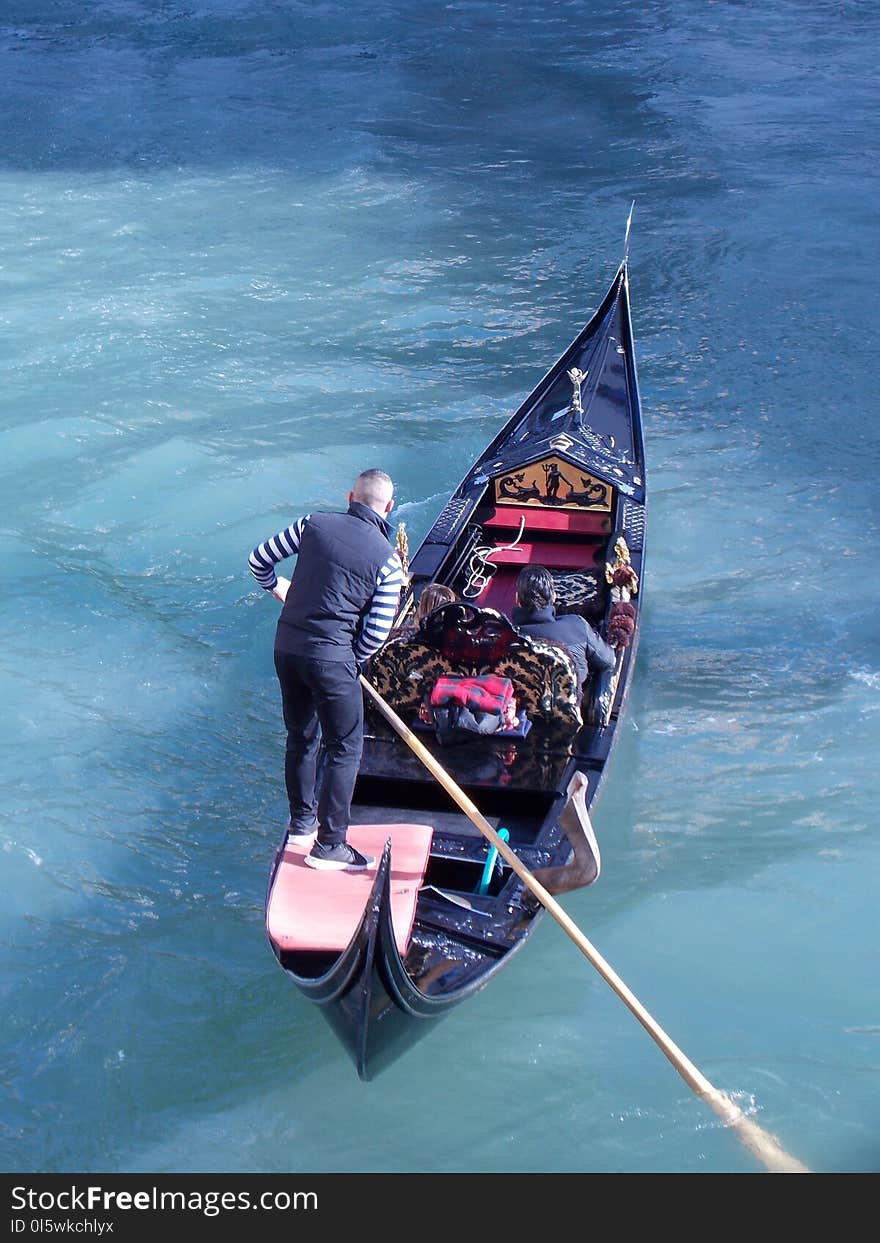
<point>555,556</point>
<point>577,521</point>
<point>501,591</point>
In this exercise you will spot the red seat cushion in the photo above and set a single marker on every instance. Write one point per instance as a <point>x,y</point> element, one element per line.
<point>552,555</point>
<point>590,523</point>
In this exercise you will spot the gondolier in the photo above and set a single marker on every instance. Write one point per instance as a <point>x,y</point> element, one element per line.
<point>338,609</point>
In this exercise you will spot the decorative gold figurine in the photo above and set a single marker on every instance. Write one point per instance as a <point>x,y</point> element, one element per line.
<point>624,585</point>
<point>402,545</point>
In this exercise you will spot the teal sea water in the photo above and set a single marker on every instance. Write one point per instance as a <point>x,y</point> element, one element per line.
<point>248,248</point>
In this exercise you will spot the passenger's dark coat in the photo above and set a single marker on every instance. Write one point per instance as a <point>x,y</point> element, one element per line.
<point>588,649</point>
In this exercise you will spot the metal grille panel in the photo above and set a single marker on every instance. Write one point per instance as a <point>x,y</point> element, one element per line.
<point>450,518</point>
<point>634,524</point>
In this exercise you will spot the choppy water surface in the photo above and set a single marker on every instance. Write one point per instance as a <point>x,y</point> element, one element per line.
<point>247,249</point>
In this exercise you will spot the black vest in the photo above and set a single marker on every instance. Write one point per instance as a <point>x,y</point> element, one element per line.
<point>332,586</point>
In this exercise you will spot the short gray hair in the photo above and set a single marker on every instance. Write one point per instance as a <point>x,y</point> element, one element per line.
<point>373,487</point>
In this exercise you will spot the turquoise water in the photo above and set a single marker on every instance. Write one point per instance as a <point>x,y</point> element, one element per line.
<point>248,248</point>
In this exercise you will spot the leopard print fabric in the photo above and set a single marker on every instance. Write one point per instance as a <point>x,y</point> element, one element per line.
<point>545,681</point>
<point>405,670</point>
<point>544,678</point>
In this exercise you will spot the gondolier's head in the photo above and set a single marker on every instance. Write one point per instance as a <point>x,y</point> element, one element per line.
<point>534,588</point>
<point>374,488</point>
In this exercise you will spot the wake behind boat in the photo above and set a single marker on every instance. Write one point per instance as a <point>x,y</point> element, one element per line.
<point>388,952</point>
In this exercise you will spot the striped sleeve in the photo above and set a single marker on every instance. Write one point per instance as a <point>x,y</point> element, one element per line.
<point>383,608</point>
<point>266,556</point>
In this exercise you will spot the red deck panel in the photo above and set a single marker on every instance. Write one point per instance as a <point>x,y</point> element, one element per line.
<point>555,556</point>
<point>592,522</point>
<point>500,594</point>
<point>313,910</point>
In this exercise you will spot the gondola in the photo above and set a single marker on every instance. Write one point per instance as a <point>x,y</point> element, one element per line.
<point>387,953</point>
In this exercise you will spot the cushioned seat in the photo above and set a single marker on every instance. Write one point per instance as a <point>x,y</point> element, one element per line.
<point>546,682</point>
<point>405,670</point>
<point>461,640</point>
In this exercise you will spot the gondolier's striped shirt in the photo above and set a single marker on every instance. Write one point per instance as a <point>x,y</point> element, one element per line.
<point>383,605</point>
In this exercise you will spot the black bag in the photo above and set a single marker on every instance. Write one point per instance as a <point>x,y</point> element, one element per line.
<point>454,723</point>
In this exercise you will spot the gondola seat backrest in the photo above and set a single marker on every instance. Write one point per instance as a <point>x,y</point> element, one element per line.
<point>467,635</point>
<point>405,670</point>
<point>462,640</point>
<point>546,681</point>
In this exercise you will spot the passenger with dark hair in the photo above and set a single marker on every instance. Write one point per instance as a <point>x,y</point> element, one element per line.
<point>535,615</point>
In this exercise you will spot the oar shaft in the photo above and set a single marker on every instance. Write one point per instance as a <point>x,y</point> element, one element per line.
<point>675,1055</point>
<point>757,1140</point>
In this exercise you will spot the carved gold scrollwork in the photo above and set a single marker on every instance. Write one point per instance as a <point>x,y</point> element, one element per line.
<point>402,546</point>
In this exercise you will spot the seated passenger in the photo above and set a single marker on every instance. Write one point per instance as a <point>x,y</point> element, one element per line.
<point>433,595</point>
<point>535,615</point>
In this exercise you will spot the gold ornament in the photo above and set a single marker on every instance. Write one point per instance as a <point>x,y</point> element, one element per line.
<point>402,544</point>
<point>621,562</point>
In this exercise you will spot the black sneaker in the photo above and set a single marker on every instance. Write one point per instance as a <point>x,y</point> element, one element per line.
<point>335,858</point>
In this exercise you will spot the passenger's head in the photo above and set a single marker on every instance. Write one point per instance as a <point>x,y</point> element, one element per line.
<point>432,597</point>
<point>374,488</point>
<point>534,588</point>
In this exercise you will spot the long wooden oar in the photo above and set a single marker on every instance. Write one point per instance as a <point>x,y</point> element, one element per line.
<point>758,1141</point>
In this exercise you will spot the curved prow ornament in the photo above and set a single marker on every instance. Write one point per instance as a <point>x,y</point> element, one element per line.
<point>629,221</point>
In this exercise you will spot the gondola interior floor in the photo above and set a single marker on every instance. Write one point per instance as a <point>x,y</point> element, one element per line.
<point>320,911</point>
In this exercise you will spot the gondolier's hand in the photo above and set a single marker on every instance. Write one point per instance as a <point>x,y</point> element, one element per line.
<point>280,589</point>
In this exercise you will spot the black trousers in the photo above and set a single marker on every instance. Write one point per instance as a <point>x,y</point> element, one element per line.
<point>322,703</point>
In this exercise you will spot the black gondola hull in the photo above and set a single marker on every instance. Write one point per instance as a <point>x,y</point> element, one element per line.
<point>569,467</point>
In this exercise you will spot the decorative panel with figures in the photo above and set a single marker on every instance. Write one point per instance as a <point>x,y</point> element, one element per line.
<point>553,482</point>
